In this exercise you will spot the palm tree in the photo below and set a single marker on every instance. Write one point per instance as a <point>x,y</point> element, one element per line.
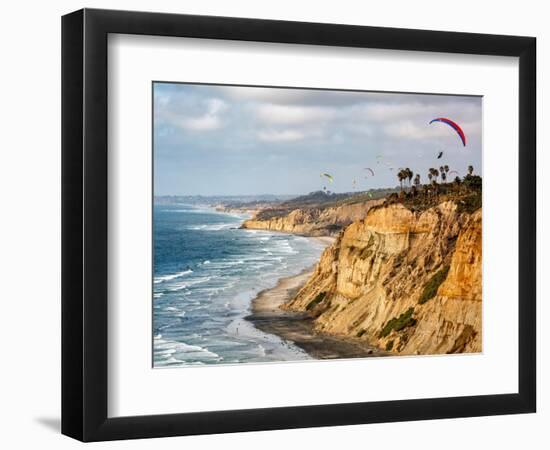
<point>434,173</point>
<point>403,175</point>
<point>444,169</point>
<point>409,174</point>
<point>400,177</point>
<point>416,182</point>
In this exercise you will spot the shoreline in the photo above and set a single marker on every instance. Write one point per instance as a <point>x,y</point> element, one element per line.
<point>298,327</point>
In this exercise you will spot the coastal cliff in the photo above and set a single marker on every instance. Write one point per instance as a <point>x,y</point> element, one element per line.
<point>406,281</point>
<point>312,221</point>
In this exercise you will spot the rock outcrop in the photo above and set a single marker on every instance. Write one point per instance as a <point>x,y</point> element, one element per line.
<point>314,221</point>
<point>408,282</point>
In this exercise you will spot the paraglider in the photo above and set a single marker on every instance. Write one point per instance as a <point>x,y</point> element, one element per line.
<point>454,126</point>
<point>454,171</point>
<point>327,176</point>
<point>370,170</point>
<point>439,155</point>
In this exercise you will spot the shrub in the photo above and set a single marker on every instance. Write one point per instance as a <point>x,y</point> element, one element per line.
<point>361,332</point>
<point>470,203</point>
<point>431,287</point>
<point>318,299</point>
<point>399,323</point>
<point>472,182</point>
<point>389,346</point>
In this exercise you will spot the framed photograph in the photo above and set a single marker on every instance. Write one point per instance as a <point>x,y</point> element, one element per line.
<point>272,224</point>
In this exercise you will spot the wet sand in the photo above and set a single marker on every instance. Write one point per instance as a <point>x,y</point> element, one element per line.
<point>297,327</point>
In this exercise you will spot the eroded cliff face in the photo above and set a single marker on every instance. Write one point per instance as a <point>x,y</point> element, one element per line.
<point>315,221</point>
<point>406,281</point>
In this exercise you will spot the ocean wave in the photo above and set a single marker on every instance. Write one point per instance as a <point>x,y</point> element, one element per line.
<point>188,283</point>
<point>213,227</point>
<point>227,263</point>
<point>191,211</point>
<point>285,247</point>
<point>166,349</point>
<point>178,287</point>
<point>171,276</point>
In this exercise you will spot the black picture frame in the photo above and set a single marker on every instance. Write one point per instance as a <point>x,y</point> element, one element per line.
<point>84,224</point>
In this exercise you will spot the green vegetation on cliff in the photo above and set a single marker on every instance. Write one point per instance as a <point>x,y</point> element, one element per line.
<point>431,287</point>
<point>466,192</point>
<point>399,323</point>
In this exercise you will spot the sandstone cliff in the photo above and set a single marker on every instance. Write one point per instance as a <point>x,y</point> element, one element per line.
<point>314,221</point>
<point>409,282</point>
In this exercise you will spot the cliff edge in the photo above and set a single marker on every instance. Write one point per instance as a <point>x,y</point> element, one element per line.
<point>408,282</point>
<point>312,221</point>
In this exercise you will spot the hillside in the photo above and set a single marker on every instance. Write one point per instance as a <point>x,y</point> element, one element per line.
<point>313,221</point>
<point>318,213</point>
<point>407,281</point>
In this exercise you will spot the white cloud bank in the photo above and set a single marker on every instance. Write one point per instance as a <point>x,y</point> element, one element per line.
<point>281,135</point>
<point>294,115</point>
<point>207,115</point>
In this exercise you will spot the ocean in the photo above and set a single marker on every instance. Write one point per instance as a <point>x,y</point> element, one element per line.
<point>206,272</point>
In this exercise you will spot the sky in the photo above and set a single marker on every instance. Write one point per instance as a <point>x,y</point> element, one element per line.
<point>234,140</point>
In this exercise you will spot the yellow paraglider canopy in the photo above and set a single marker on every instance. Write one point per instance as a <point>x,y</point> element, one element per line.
<point>328,176</point>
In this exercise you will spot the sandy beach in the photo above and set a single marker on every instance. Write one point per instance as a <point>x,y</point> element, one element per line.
<point>297,327</point>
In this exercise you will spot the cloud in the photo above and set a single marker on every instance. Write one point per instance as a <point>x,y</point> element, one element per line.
<point>388,111</point>
<point>261,94</point>
<point>284,114</point>
<point>359,128</point>
<point>189,114</point>
<point>203,123</point>
<point>281,135</point>
<point>411,130</point>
